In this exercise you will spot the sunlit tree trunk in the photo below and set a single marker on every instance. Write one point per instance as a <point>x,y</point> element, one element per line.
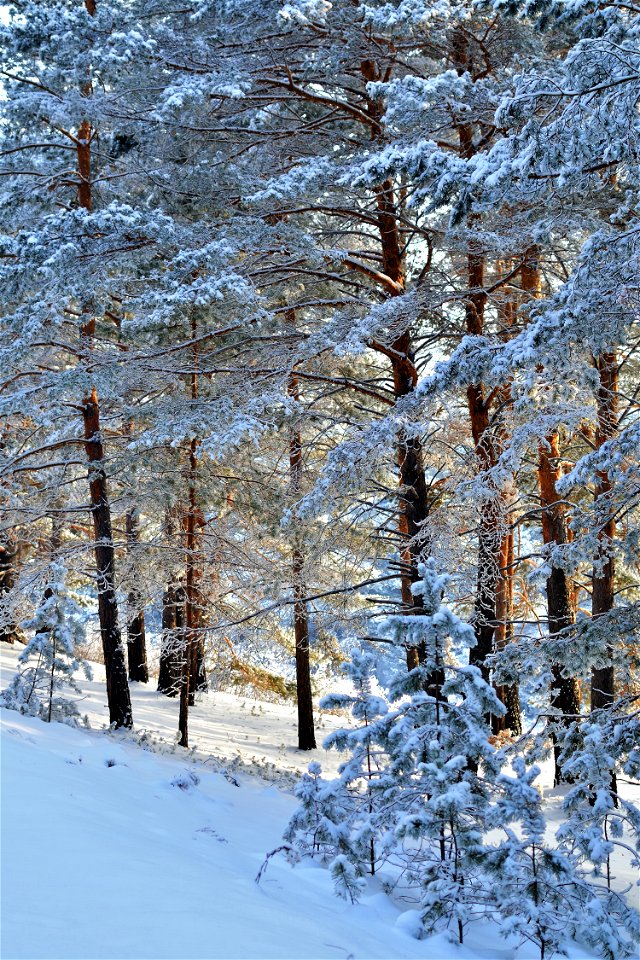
<point>565,695</point>
<point>561,615</point>
<point>306,732</point>
<point>114,660</point>
<point>116,675</point>
<point>414,494</point>
<point>508,694</point>
<point>603,590</point>
<point>9,631</point>
<point>136,640</point>
<point>193,656</point>
<point>491,527</point>
<point>173,628</point>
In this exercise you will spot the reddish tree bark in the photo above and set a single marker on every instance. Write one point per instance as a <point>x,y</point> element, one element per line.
<point>116,675</point>
<point>193,658</point>
<point>561,613</point>
<point>414,500</point>
<point>555,530</point>
<point>173,626</point>
<point>508,694</point>
<point>114,661</point>
<point>490,531</point>
<point>492,613</point>
<point>83,151</point>
<point>136,640</point>
<point>306,732</point>
<point>603,590</point>
<point>390,278</point>
<point>9,631</point>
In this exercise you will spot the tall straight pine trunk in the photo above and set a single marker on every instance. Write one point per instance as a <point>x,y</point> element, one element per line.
<point>306,732</point>
<point>136,639</point>
<point>114,661</point>
<point>193,676</point>
<point>414,503</point>
<point>491,530</point>
<point>116,674</point>
<point>508,694</point>
<point>173,625</point>
<point>603,590</point>
<point>565,694</point>
<point>9,631</point>
<point>560,610</point>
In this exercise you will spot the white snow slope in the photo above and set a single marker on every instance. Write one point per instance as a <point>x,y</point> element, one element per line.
<point>113,851</point>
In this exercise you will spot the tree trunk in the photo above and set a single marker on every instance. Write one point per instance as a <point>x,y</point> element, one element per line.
<point>118,696</point>
<point>193,606</point>
<point>192,641</point>
<point>508,694</point>
<point>565,697</point>
<point>9,631</point>
<point>511,700</point>
<point>189,646</point>
<point>173,626</point>
<point>566,694</point>
<point>166,680</point>
<point>603,591</point>
<point>413,507</point>
<point>136,645</point>
<point>306,732</point>
<point>115,669</point>
<point>491,530</point>
<point>489,536</point>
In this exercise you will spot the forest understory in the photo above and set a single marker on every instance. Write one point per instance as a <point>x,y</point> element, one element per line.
<point>136,821</point>
<point>320,463</point>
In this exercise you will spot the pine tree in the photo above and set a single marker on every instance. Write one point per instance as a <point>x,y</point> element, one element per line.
<point>417,789</point>
<point>542,892</point>
<point>41,688</point>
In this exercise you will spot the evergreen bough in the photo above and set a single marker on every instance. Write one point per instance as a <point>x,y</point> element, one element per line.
<point>426,800</point>
<point>50,658</point>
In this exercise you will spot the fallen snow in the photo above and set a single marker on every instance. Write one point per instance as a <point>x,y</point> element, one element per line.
<point>222,726</point>
<point>113,851</point>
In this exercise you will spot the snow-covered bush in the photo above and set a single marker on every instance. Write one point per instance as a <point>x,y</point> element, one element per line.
<point>427,799</point>
<point>542,885</point>
<point>340,819</point>
<point>50,657</point>
<point>415,793</point>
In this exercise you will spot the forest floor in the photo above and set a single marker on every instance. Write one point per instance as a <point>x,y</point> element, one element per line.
<point>117,852</point>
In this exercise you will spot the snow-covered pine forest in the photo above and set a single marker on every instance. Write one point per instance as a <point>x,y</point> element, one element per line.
<point>320,448</point>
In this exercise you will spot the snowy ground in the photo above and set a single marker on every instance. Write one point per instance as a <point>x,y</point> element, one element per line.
<point>113,851</point>
<point>222,726</point>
